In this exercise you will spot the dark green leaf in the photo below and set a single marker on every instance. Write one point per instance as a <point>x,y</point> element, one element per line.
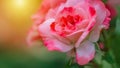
<point>104,1</point>
<point>108,58</point>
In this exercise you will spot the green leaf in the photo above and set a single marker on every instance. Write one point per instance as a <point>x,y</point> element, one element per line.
<point>108,58</point>
<point>75,65</point>
<point>105,1</point>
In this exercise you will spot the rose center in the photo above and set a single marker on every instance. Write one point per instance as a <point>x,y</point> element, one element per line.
<point>66,24</point>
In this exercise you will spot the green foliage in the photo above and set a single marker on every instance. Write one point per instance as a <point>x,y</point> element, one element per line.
<point>104,1</point>
<point>108,58</point>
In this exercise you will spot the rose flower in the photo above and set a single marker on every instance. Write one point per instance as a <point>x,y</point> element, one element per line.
<point>74,25</point>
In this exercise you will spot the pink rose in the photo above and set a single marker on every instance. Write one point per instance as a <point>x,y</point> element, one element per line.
<point>74,24</point>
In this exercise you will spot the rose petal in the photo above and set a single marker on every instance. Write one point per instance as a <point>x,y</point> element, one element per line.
<point>106,23</point>
<point>95,34</point>
<point>54,44</point>
<point>51,40</point>
<point>46,5</point>
<point>44,28</point>
<point>54,3</point>
<point>101,10</point>
<point>73,2</point>
<point>33,35</point>
<point>85,53</point>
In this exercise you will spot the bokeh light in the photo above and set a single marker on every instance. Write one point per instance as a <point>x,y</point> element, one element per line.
<point>17,14</point>
<point>19,3</point>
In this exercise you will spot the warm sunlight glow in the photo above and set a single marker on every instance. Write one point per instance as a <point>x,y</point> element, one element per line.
<point>20,8</point>
<point>19,3</point>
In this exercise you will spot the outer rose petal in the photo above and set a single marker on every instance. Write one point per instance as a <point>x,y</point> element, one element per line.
<point>44,28</point>
<point>46,5</point>
<point>33,35</point>
<point>95,34</point>
<point>85,53</point>
<point>54,44</point>
<point>106,23</point>
<point>73,2</point>
<point>111,5</point>
<point>112,10</point>
<point>52,41</point>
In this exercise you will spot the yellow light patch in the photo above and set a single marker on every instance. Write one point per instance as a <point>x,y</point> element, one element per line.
<point>19,3</point>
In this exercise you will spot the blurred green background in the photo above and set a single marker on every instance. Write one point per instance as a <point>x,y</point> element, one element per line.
<point>15,22</point>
